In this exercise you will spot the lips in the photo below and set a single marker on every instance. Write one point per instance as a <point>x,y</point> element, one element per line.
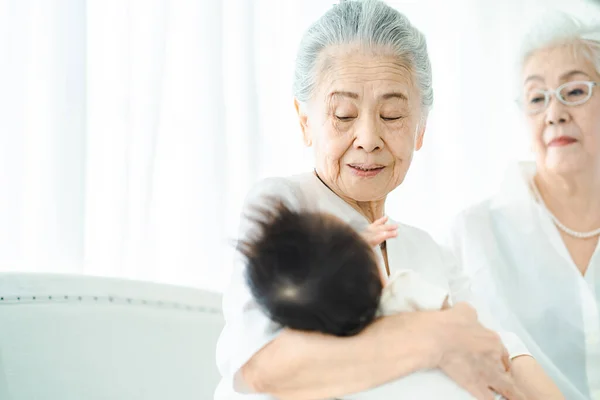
<point>561,141</point>
<point>366,167</point>
<point>366,170</point>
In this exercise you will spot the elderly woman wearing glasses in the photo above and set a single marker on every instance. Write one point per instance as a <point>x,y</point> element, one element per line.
<point>532,250</point>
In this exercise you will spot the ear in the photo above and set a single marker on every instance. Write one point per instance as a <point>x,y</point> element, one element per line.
<point>420,134</point>
<point>303,119</point>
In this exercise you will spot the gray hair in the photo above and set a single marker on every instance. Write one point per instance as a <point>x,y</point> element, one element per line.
<point>370,24</point>
<point>561,29</point>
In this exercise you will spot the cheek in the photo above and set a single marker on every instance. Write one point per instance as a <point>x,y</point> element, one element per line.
<point>587,120</point>
<point>591,119</point>
<point>591,132</point>
<point>401,138</point>
<point>536,126</point>
<point>595,127</point>
<point>333,143</point>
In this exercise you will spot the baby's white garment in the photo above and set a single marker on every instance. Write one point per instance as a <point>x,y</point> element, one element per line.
<point>406,291</point>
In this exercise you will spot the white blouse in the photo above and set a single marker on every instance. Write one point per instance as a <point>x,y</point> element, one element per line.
<point>519,263</point>
<point>247,329</point>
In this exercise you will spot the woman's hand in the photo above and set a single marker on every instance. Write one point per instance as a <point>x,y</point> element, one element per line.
<point>380,231</point>
<point>473,356</point>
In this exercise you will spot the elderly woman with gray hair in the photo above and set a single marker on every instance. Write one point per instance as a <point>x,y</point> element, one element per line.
<point>363,90</point>
<point>532,250</point>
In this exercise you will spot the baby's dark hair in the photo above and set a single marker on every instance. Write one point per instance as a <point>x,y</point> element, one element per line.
<point>311,271</point>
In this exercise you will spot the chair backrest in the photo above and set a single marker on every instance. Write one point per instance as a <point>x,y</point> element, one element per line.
<point>87,338</point>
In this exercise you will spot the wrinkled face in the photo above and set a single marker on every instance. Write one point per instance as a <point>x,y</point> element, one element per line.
<point>364,123</point>
<point>566,139</point>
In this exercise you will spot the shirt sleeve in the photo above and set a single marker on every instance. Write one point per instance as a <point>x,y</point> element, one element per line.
<point>460,291</point>
<point>247,329</point>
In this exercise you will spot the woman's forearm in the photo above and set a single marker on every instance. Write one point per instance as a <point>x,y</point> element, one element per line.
<point>532,380</point>
<point>300,365</point>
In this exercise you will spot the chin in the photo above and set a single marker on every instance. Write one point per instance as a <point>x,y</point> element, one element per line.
<point>367,191</point>
<point>564,165</point>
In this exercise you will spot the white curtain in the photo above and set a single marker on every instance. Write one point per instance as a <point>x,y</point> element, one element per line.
<point>130,130</point>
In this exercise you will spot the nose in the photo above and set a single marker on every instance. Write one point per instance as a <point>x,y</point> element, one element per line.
<point>557,113</point>
<point>368,137</point>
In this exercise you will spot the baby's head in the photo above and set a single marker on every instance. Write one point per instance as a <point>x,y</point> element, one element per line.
<point>311,271</point>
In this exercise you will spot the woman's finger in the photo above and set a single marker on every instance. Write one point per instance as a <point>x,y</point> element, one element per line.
<point>507,388</point>
<point>506,360</point>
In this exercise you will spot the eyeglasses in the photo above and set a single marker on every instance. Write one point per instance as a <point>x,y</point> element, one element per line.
<point>570,94</point>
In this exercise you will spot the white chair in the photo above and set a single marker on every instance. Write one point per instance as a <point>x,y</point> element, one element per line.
<point>88,338</point>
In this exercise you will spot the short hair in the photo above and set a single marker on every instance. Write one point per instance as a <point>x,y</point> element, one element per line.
<point>557,28</point>
<point>310,271</point>
<point>369,24</point>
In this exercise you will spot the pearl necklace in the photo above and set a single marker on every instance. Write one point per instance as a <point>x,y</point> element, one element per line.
<point>570,232</point>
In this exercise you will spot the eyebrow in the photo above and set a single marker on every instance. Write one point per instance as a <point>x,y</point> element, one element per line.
<point>385,96</point>
<point>572,73</point>
<point>352,95</point>
<point>564,76</point>
<point>393,95</point>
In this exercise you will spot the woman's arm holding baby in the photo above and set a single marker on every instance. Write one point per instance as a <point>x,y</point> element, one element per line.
<point>305,366</point>
<point>532,380</point>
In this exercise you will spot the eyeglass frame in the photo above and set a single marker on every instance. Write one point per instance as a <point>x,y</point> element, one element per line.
<point>556,93</point>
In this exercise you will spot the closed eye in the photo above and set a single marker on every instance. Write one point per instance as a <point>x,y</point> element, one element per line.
<point>390,118</point>
<point>344,118</point>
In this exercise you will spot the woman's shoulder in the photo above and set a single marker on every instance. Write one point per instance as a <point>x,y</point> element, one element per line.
<point>471,231</point>
<point>473,217</point>
<point>292,190</point>
<point>510,203</point>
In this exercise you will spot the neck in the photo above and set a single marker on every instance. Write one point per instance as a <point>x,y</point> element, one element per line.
<point>372,210</point>
<point>574,198</point>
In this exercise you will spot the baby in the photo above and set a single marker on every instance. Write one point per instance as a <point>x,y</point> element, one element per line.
<point>311,271</point>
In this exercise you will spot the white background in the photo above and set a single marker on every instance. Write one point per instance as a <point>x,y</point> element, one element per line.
<point>130,130</point>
